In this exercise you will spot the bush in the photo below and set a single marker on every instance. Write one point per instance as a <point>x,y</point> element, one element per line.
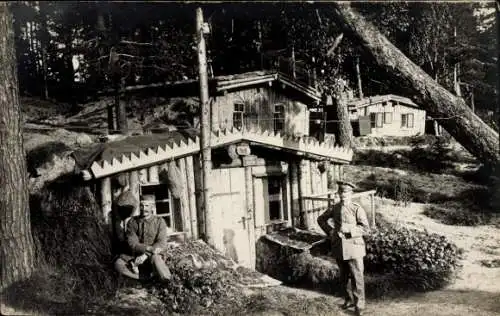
<point>426,261</point>
<point>402,190</point>
<point>435,158</point>
<point>457,216</point>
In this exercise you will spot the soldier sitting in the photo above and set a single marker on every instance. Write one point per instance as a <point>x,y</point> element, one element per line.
<point>146,238</point>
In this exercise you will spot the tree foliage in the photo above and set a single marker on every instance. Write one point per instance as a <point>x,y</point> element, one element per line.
<point>154,42</point>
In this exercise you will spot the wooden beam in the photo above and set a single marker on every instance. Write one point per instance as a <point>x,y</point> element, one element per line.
<point>250,214</point>
<point>106,199</point>
<point>206,161</point>
<point>184,200</point>
<point>191,196</point>
<point>135,189</point>
<point>143,176</point>
<point>153,174</point>
<point>294,179</point>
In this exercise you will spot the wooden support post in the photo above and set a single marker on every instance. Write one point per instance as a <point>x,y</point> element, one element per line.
<point>135,189</point>
<point>294,178</point>
<point>184,199</point>
<point>143,176</point>
<point>191,196</point>
<point>358,76</point>
<point>372,205</point>
<point>106,199</point>
<point>200,216</point>
<point>206,162</point>
<point>303,191</point>
<point>153,174</point>
<point>250,214</point>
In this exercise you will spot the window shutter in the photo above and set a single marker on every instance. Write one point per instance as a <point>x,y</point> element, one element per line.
<point>379,122</point>
<point>410,120</point>
<point>388,118</point>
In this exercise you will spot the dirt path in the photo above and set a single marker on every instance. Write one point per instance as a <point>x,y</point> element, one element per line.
<point>475,292</point>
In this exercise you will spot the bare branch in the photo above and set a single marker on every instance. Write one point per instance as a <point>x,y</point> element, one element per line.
<point>135,43</point>
<point>319,17</point>
<point>335,44</point>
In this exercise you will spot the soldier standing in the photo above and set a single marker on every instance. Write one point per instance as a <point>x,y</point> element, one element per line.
<point>346,224</point>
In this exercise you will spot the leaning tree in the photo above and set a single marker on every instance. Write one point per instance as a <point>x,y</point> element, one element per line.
<point>456,117</point>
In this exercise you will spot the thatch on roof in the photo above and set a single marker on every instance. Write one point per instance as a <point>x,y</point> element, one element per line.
<point>129,145</point>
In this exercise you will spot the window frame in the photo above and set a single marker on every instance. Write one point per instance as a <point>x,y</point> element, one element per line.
<point>238,115</point>
<point>276,197</point>
<point>171,210</point>
<point>278,117</point>
<point>388,115</point>
<point>407,120</point>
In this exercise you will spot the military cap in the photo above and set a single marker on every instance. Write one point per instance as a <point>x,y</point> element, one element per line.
<point>148,198</point>
<point>345,186</point>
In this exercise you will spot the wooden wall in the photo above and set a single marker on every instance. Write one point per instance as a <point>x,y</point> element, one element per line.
<point>394,128</point>
<point>187,204</point>
<point>261,102</point>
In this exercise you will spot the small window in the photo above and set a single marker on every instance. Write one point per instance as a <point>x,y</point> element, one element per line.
<point>387,117</point>
<point>279,117</point>
<point>164,207</point>
<point>238,114</point>
<point>275,192</point>
<point>410,120</point>
<point>407,120</point>
<point>376,120</point>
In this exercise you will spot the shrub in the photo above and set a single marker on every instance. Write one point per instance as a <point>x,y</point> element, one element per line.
<point>426,261</point>
<point>456,216</point>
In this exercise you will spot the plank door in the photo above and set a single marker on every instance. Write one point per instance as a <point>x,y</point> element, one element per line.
<point>232,226</point>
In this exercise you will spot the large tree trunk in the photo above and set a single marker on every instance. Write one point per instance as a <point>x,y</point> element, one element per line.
<point>44,42</point>
<point>16,241</point>
<point>457,118</point>
<point>344,130</point>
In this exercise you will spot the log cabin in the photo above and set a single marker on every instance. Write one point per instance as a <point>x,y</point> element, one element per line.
<point>257,182</point>
<point>386,115</point>
<point>264,166</point>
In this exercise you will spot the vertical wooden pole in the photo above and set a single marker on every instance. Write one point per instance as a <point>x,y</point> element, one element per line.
<point>259,30</point>
<point>106,197</point>
<point>153,174</point>
<point>135,189</point>
<point>372,205</point>
<point>294,76</point>
<point>184,199</point>
<point>294,178</point>
<point>206,162</point>
<point>143,176</point>
<point>250,214</point>
<point>358,76</point>
<point>315,78</point>
<point>200,215</point>
<point>192,196</point>
<point>303,190</point>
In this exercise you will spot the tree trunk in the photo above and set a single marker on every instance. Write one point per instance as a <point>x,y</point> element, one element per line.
<point>44,42</point>
<point>358,77</point>
<point>121,113</point>
<point>458,119</point>
<point>16,241</point>
<point>344,131</point>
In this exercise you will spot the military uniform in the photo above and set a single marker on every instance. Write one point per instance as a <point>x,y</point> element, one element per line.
<point>348,246</point>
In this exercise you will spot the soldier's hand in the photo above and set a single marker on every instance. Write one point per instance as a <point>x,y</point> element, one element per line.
<point>140,260</point>
<point>156,250</point>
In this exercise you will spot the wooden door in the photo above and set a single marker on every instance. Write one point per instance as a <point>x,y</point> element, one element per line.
<point>228,200</point>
